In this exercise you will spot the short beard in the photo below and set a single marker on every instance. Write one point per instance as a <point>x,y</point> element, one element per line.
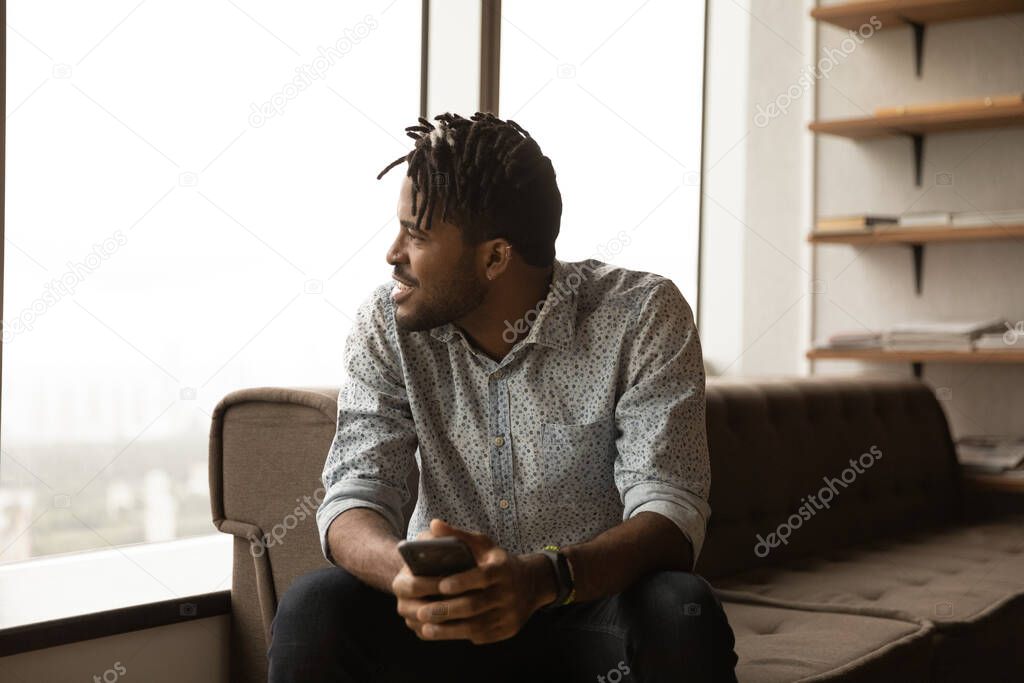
<point>457,295</point>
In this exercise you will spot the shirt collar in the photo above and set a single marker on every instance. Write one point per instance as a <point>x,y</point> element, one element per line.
<point>554,325</point>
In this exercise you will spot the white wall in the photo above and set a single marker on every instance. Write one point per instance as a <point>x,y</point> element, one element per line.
<point>755,265</point>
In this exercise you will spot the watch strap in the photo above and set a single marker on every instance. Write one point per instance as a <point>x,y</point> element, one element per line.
<point>563,576</point>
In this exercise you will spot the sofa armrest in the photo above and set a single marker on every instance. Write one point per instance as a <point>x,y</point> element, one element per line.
<point>267,448</point>
<point>257,432</point>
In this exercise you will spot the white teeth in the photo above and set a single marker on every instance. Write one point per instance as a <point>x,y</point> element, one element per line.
<point>401,287</point>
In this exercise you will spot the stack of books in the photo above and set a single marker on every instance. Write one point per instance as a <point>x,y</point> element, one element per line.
<point>984,219</point>
<point>960,219</point>
<point>939,336</point>
<point>990,454</point>
<point>1010,339</point>
<point>838,225</point>
<point>855,340</point>
<point>925,219</point>
<point>868,223</point>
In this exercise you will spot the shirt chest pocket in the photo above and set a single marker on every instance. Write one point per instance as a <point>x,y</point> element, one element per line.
<point>577,461</point>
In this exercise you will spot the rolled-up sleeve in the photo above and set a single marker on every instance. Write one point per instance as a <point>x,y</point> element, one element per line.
<point>662,464</point>
<point>375,443</point>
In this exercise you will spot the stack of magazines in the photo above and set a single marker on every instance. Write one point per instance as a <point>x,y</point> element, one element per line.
<point>1010,339</point>
<point>984,219</point>
<point>960,219</point>
<point>855,340</point>
<point>989,454</point>
<point>940,336</point>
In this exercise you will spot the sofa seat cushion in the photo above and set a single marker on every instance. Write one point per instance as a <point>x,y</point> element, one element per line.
<point>779,644</point>
<point>953,576</point>
<point>967,579</point>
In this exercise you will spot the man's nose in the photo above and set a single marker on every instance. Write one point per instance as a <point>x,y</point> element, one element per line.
<point>396,252</point>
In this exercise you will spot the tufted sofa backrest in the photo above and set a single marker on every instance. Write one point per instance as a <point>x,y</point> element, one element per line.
<point>780,462</point>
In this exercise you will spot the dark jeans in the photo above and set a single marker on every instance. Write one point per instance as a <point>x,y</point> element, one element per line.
<point>667,626</point>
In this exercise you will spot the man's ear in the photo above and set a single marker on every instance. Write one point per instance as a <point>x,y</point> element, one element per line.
<point>499,257</point>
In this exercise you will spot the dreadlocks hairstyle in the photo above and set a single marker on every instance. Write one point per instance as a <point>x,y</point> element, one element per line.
<point>491,176</point>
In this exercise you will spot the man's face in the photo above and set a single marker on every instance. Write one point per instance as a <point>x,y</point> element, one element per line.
<point>446,284</point>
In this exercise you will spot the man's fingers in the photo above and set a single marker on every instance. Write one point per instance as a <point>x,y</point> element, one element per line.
<point>462,607</point>
<point>478,543</point>
<point>409,608</point>
<point>412,586</point>
<point>477,578</point>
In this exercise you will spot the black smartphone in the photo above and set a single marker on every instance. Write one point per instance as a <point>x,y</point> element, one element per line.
<point>437,556</point>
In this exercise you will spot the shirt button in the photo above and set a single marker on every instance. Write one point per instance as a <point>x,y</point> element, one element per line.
<point>499,441</point>
<point>503,503</point>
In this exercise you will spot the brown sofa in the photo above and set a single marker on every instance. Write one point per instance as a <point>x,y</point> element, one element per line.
<point>886,578</point>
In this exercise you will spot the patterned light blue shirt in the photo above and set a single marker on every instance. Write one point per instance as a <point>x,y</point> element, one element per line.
<point>596,415</point>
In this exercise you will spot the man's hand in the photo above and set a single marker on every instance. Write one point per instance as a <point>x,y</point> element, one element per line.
<point>488,603</point>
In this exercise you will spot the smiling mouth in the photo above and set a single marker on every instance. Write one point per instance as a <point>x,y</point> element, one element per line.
<point>400,291</point>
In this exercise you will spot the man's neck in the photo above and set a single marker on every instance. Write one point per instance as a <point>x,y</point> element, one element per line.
<point>496,327</point>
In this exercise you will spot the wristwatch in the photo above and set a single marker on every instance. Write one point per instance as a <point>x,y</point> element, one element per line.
<point>563,577</point>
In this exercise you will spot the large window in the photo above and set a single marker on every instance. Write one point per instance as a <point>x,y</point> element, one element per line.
<point>192,208</point>
<point>613,93</point>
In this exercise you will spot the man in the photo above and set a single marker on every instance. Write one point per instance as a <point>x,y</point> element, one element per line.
<point>551,404</point>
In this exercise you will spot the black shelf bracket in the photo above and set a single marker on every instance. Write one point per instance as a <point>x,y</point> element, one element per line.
<point>918,141</point>
<point>918,368</point>
<point>918,254</point>
<point>918,45</point>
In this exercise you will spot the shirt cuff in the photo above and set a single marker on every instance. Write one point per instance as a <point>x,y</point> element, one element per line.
<point>689,512</point>
<point>353,493</point>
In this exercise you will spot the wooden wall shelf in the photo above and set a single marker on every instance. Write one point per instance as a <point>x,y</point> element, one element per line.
<point>1009,482</point>
<point>923,235</point>
<point>916,14</point>
<point>901,13</point>
<point>917,358</point>
<point>916,238</point>
<point>917,125</point>
<point>948,120</point>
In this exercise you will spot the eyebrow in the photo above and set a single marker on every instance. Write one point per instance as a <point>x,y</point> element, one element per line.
<point>411,226</point>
